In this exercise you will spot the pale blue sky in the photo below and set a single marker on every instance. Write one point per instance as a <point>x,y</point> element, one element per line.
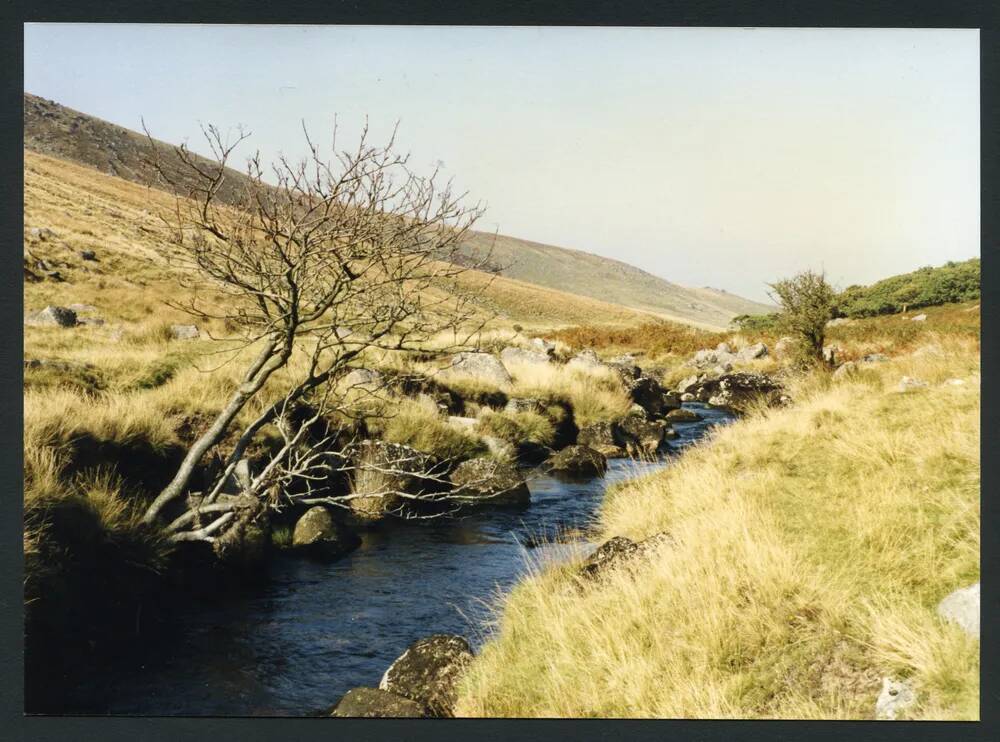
<point>722,157</point>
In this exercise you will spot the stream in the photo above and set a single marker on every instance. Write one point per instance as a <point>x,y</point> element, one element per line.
<point>294,644</point>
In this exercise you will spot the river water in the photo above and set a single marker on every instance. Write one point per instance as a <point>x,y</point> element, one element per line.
<point>295,643</point>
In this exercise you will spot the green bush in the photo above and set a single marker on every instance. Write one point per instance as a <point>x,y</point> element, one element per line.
<point>926,287</point>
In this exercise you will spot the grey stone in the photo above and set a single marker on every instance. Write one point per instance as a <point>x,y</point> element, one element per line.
<point>489,481</point>
<point>896,697</point>
<point>375,703</point>
<point>845,371</point>
<point>962,607</point>
<point>907,383</point>
<point>52,317</point>
<point>752,352</point>
<point>428,672</point>
<point>585,360</point>
<point>364,378</point>
<point>88,255</point>
<point>919,318</point>
<point>682,416</point>
<point>318,534</point>
<point>523,404</point>
<point>611,553</point>
<point>874,358</point>
<point>577,460</point>
<point>544,346</point>
<point>481,366</point>
<point>184,332</point>
<point>603,438</point>
<point>513,356</point>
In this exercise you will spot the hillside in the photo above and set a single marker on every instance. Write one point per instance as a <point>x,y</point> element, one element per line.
<point>57,131</point>
<point>925,287</point>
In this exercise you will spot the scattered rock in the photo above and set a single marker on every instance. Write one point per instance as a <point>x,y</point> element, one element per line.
<point>513,356</point>
<point>907,383</point>
<point>428,672</point>
<point>609,554</point>
<point>784,348</point>
<point>578,461</point>
<point>318,534</point>
<point>954,382</point>
<point>184,332</point>
<point>919,318</point>
<point>689,382</point>
<point>481,366</point>
<point>962,607</point>
<point>42,234</point>
<point>687,397</point>
<point>830,353</point>
<point>724,348</point>
<point>374,703</point>
<point>489,481</point>
<point>838,321</point>
<point>88,255</point>
<point>896,697</point>
<point>737,391</point>
<point>681,415</point>
<point>52,317</point>
<point>651,396</point>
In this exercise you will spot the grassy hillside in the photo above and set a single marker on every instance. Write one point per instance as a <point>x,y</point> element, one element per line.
<point>61,132</point>
<point>811,546</point>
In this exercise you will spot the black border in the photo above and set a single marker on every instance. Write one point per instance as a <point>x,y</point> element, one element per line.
<point>773,13</point>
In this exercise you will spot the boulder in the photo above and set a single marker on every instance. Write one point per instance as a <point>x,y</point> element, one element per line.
<point>752,352</point>
<point>689,382</point>
<point>518,356</point>
<point>919,318</point>
<point>688,397</point>
<point>489,481</point>
<point>578,461</point>
<point>723,348</point>
<point>364,378</point>
<point>246,540</point>
<point>585,360</point>
<point>845,371</point>
<point>381,471</point>
<point>838,321</point>
<point>896,697</point>
<point>543,346</point>
<point>651,396</point>
<point>953,382</point>
<point>681,415</point>
<point>82,308</point>
<point>907,383</point>
<point>524,404</point>
<point>318,534</point>
<point>428,672</point>
<point>52,317</point>
<point>784,348</point>
<point>642,437</point>
<point>481,366</point>
<point>737,391</point>
<point>88,255</point>
<point>603,438</point>
<point>42,233</point>
<point>610,554</point>
<point>374,703</point>
<point>184,332</point>
<point>962,608</point>
<point>830,353</point>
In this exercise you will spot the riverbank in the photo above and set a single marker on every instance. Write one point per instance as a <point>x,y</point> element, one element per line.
<point>810,548</point>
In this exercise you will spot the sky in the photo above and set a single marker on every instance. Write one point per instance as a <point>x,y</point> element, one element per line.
<point>709,157</point>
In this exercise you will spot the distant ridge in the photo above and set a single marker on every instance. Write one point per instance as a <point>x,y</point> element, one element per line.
<point>57,131</point>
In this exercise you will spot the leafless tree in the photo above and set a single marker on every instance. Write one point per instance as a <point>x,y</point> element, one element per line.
<point>319,262</point>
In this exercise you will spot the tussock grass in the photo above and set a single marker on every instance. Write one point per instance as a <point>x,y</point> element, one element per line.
<point>595,395</point>
<point>419,424</point>
<point>516,427</point>
<point>812,546</point>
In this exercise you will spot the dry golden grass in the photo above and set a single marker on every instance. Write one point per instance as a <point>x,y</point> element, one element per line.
<point>812,547</point>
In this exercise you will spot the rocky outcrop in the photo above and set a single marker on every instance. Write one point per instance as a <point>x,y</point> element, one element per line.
<point>611,553</point>
<point>51,317</point>
<point>480,366</point>
<point>737,391</point>
<point>375,703</point>
<point>488,481</point>
<point>514,356</point>
<point>543,346</point>
<point>962,608</point>
<point>649,394</point>
<point>428,673</point>
<point>578,461</point>
<point>724,356</point>
<point>317,534</point>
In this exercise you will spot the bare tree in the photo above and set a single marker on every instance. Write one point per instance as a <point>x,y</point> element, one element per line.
<point>329,261</point>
